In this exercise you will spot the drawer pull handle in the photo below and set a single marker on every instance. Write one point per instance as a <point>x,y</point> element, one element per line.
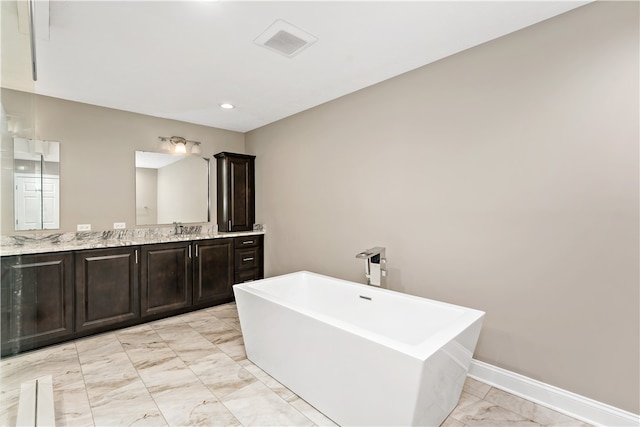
<point>248,242</point>
<point>247,259</point>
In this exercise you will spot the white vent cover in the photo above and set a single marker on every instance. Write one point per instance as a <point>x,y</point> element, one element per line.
<point>284,38</point>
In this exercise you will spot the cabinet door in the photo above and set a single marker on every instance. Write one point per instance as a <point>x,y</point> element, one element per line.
<point>236,199</point>
<point>242,211</point>
<point>106,288</point>
<point>213,272</point>
<point>37,300</point>
<point>165,277</point>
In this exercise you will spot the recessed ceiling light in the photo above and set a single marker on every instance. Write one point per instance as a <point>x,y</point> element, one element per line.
<point>227,106</point>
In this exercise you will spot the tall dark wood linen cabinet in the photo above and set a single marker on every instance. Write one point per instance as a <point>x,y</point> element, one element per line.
<point>236,191</point>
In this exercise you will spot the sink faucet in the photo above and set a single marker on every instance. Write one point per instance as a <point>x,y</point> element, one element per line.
<point>178,228</point>
<point>374,267</point>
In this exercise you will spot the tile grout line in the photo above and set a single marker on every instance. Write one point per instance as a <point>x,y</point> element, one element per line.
<point>250,373</point>
<point>138,373</point>
<point>218,399</point>
<point>507,409</point>
<point>208,388</point>
<point>84,381</point>
<point>525,417</point>
<point>266,385</point>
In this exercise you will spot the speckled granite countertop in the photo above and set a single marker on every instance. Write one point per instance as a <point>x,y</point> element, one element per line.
<point>58,242</point>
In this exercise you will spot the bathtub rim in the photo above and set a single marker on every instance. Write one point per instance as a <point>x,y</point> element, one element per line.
<point>420,351</point>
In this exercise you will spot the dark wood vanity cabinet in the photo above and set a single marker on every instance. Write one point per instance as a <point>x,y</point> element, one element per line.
<point>37,300</point>
<point>248,258</point>
<point>106,288</point>
<point>212,271</point>
<point>236,191</point>
<point>176,276</point>
<point>53,297</point>
<point>165,278</point>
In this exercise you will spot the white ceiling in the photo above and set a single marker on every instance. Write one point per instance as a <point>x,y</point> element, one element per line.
<point>181,59</point>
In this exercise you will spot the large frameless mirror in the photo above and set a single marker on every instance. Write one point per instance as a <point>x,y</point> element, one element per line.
<point>171,188</point>
<point>36,179</point>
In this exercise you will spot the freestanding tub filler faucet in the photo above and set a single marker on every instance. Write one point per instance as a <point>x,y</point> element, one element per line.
<point>375,266</point>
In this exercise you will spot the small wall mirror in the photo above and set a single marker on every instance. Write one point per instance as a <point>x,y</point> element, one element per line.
<point>36,178</point>
<point>171,188</point>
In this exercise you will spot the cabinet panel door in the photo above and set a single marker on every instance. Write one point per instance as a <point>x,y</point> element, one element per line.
<point>242,200</point>
<point>236,198</point>
<point>106,287</point>
<point>37,300</point>
<point>213,271</point>
<point>165,277</point>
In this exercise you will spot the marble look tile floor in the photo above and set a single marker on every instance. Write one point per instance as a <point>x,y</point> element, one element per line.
<point>191,370</point>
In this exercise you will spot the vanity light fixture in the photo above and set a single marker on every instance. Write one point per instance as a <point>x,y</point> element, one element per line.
<point>178,144</point>
<point>165,145</point>
<point>181,147</point>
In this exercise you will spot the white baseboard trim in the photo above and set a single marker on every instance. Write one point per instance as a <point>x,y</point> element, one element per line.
<point>563,401</point>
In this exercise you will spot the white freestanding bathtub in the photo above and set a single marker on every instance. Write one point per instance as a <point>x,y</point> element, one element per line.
<point>361,355</point>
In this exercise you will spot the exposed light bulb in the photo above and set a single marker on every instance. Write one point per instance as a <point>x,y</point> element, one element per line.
<point>227,106</point>
<point>181,147</point>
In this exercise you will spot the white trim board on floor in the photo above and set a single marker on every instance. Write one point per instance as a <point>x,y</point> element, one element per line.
<point>563,401</point>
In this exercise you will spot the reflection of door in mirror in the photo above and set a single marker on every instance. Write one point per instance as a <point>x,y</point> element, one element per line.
<point>36,184</point>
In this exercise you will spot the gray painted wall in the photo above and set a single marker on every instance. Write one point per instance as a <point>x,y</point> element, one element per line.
<point>504,178</point>
<point>97,147</point>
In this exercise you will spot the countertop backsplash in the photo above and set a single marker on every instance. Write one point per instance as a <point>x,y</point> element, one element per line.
<point>56,242</point>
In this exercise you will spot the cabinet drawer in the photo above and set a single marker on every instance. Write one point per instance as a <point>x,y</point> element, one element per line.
<point>247,275</point>
<point>246,242</point>
<point>247,258</point>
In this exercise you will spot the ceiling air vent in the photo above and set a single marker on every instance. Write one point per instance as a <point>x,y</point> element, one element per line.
<point>285,39</point>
